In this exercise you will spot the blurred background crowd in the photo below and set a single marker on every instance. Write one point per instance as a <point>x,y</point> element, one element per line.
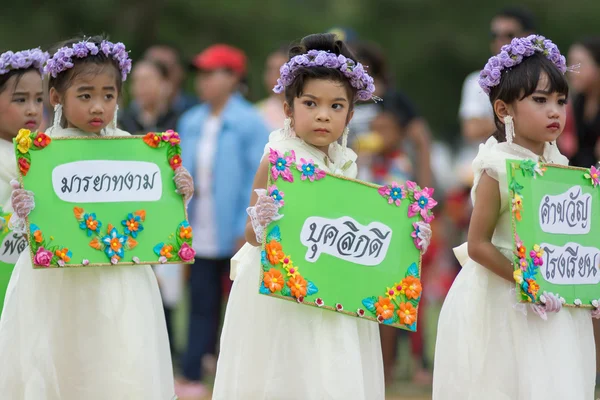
<point>207,69</point>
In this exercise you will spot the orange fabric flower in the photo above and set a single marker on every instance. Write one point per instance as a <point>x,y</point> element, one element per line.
<point>42,140</point>
<point>274,252</point>
<point>91,223</point>
<point>273,280</point>
<point>185,232</point>
<point>385,308</point>
<point>37,235</point>
<point>63,255</point>
<point>152,139</point>
<point>412,287</point>
<point>533,287</point>
<point>522,251</point>
<point>95,243</point>
<point>298,286</point>
<point>175,162</point>
<point>132,225</point>
<point>131,242</point>
<point>115,244</point>
<point>407,313</point>
<point>166,251</point>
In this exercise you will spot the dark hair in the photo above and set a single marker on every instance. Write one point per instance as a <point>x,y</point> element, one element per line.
<point>522,80</point>
<point>88,65</point>
<point>18,73</point>
<point>325,42</point>
<point>522,15</point>
<point>592,45</point>
<point>162,69</point>
<point>371,55</point>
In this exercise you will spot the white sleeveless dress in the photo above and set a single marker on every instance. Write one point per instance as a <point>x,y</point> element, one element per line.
<point>84,333</point>
<point>487,348</point>
<point>272,349</point>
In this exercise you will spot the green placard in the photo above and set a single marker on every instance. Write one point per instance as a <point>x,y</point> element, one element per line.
<point>11,246</point>
<point>103,201</point>
<point>556,231</point>
<point>344,245</point>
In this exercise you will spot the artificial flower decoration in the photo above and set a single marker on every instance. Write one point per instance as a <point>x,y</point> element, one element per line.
<point>521,250</point>
<point>64,254</point>
<point>360,312</point>
<point>23,140</point>
<point>518,276</point>
<point>384,308</point>
<point>517,206</point>
<point>171,137</point>
<point>412,287</point>
<point>152,139</point>
<point>394,193</point>
<point>37,236</point>
<point>90,224</point>
<point>24,166</point>
<point>43,257</point>
<point>292,271</point>
<point>273,280</point>
<point>533,287</point>
<point>407,313</point>
<point>167,251</point>
<point>319,302</point>
<point>536,255</point>
<point>287,262</point>
<point>310,170</point>
<point>276,195</point>
<point>186,252</point>
<point>274,252</point>
<point>391,293</point>
<point>41,140</point>
<point>281,164</point>
<point>424,202</point>
<point>185,230</point>
<point>175,162</point>
<point>133,225</point>
<point>593,175</point>
<point>298,286</point>
<point>523,264</point>
<point>339,307</point>
<point>114,244</point>
<point>421,235</point>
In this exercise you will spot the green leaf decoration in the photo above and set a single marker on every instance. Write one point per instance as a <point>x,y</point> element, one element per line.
<point>528,167</point>
<point>516,187</point>
<point>285,291</point>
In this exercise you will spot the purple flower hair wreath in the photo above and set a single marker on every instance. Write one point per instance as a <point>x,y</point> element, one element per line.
<point>33,58</point>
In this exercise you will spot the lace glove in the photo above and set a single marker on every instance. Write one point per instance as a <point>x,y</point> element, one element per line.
<point>422,235</point>
<point>184,183</point>
<point>596,310</point>
<point>263,213</point>
<point>22,203</point>
<point>550,303</point>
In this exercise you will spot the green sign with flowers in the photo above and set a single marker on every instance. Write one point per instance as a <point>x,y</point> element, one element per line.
<point>104,201</point>
<point>556,227</point>
<point>344,245</point>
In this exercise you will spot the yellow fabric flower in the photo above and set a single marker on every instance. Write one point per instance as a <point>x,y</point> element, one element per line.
<point>518,276</point>
<point>23,140</point>
<point>391,293</point>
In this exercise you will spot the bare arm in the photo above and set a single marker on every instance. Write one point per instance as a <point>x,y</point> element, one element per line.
<point>483,222</point>
<point>477,129</point>
<point>260,182</point>
<point>418,133</point>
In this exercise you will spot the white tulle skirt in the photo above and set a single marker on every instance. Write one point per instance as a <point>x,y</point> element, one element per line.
<point>488,349</point>
<point>84,333</point>
<point>272,349</point>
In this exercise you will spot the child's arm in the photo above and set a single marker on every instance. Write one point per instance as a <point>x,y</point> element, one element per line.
<point>262,207</point>
<point>482,226</point>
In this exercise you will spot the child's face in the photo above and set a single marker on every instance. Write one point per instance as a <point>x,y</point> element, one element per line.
<point>21,106</point>
<point>541,116</point>
<point>386,126</point>
<point>89,103</point>
<point>320,114</point>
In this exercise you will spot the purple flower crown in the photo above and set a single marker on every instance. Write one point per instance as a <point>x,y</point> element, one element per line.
<point>22,60</point>
<point>514,53</point>
<point>355,72</point>
<point>62,60</point>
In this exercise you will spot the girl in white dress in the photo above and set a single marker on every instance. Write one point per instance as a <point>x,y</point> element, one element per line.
<point>91,333</point>
<point>21,107</point>
<point>273,349</point>
<point>488,346</point>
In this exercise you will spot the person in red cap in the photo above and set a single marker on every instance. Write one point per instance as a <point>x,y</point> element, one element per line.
<point>222,143</point>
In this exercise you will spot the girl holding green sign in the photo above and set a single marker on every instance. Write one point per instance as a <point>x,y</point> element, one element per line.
<point>83,333</point>
<point>489,346</point>
<point>21,107</point>
<point>273,349</point>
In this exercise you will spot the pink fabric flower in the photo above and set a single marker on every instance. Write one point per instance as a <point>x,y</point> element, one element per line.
<point>42,257</point>
<point>186,253</point>
<point>310,170</point>
<point>281,164</point>
<point>423,203</point>
<point>277,195</point>
<point>394,193</point>
<point>595,176</point>
<point>172,137</point>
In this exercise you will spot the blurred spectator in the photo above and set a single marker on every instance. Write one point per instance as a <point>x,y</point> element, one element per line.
<point>271,108</point>
<point>586,100</point>
<point>151,90</point>
<point>170,56</point>
<point>222,142</point>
